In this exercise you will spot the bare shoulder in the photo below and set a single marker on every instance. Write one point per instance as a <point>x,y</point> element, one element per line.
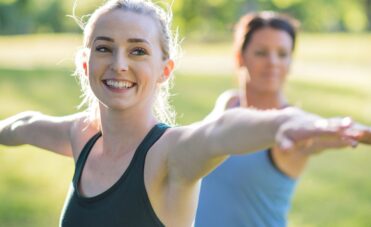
<point>178,143</point>
<point>170,141</point>
<point>82,129</point>
<point>158,165</point>
<point>228,99</point>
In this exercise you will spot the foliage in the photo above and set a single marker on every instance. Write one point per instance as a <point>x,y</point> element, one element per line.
<point>211,19</point>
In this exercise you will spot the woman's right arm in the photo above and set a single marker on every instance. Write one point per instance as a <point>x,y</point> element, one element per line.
<point>37,129</point>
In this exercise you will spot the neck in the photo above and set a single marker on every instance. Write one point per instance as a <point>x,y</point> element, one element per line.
<point>122,131</point>
<point>262,100</point>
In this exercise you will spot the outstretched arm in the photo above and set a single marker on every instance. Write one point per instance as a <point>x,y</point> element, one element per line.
<point>204,146</point>
<point>34,128</point>
<point>294,162</point>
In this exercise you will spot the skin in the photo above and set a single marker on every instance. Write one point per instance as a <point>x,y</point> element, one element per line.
<point>130,53</point>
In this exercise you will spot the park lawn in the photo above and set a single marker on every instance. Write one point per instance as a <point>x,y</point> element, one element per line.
<point>334,190</point>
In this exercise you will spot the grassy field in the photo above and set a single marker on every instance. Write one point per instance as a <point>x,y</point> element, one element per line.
<point>334,191</point>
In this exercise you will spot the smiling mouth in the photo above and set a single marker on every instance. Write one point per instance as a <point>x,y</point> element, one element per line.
<point>118,84</point>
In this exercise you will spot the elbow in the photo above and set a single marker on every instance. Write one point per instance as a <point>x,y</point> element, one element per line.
<point>24,119</point>
<point>12,128</point>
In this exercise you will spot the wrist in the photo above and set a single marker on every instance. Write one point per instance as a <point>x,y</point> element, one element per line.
<point>286,115</point>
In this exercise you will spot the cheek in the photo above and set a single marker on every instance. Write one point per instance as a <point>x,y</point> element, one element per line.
<point>254,66</point>
<point>96,67</point>
<point>152,70</point>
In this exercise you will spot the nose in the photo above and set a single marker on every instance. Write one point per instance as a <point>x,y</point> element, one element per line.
<point>120,63</point>
<point>273,59</point>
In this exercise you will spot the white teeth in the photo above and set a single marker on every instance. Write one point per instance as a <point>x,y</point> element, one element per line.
<point>119,84</point>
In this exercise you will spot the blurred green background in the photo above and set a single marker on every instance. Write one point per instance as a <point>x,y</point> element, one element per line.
<point>331,76</point>
<point>202,18</point>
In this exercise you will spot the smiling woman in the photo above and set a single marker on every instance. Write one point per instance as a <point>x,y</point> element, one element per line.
<point>132,169</point>
<point>105,44</point>
<point>115,47</point>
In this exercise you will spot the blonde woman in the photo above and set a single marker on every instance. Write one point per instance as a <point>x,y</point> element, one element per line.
<point>131,168</point>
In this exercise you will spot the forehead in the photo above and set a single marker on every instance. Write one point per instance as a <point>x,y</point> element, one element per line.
<point>271,37</point>
<point>121,25</point>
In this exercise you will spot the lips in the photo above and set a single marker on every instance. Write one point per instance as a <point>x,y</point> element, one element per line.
<point>118,84</point>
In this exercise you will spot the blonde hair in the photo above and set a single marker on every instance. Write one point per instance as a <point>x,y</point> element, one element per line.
<point>162,109</point>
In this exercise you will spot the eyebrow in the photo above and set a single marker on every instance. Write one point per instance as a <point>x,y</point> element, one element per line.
<point>138,40</point>
<point>105,38</point>
<point>130,40</point>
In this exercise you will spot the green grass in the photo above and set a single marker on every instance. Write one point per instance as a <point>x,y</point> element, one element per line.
<point>334,191</point>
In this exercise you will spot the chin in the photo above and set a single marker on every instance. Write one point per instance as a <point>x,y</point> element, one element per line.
<point>116,106</point>
<point>272,89</point>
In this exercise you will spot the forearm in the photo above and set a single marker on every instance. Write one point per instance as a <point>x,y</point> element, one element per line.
<point>244,130</point>
<point>36,129</point>
<point>13,129</point>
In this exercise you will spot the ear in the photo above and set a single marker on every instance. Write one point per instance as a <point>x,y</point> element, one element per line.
<point>242,72</point>
<point>84,61</point>
<point>239,59</point>
<point>168,69</point>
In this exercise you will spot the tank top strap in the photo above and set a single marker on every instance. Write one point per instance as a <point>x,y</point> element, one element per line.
<point>154,134</point>
<point>83,156</point>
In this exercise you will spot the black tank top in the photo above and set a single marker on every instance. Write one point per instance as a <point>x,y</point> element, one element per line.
<point>125,204</point>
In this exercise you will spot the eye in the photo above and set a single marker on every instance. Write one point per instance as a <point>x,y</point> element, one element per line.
<point>103,49</point>
<point>139,51</point>
<point>261,53</point>
<point>283,54</point>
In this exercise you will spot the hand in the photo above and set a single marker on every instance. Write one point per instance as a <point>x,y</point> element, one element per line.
<point>361,133</point>
<point>320,144</point>
<point>312,134</point>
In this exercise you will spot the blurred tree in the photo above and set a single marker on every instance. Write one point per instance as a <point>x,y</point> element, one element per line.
<point>367,7</point>
<point>354,17</point>
<point>51,18</point>
<point>15,17</point>
<point>208,19</point>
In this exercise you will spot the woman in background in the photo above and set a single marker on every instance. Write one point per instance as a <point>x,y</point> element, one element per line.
<point>256,189</point>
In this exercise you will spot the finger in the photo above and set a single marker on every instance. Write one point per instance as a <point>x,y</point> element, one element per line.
<point>318,132</point>
<point>360,133</point>
<point>335,123</point>
<point>285,144</point>
<point>365,138</point>
<point>336,143</point>
<point>320,145</point>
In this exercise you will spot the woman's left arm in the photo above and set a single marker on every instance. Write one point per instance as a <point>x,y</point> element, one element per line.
<point>200,148</point>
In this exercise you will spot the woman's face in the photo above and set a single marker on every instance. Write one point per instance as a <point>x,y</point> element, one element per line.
<point>267,59</point>
<point>125,63</point>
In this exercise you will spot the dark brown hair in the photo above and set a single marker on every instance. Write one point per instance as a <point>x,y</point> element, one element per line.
<point>252,22</point>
